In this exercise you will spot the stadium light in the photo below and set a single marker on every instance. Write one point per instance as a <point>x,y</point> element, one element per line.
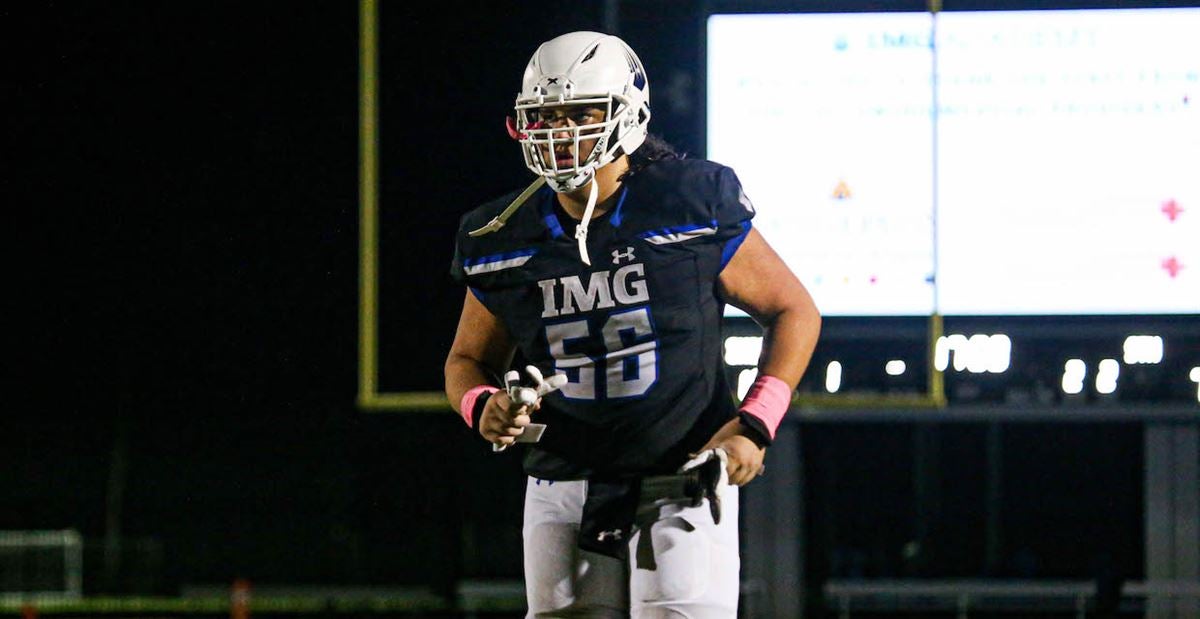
<point>1106,376</point>
<point>1074,372</point>
<point>742,350</point>
<point>895,367</point>
<point>745,381</point>
<point>953,343</point>
<point>977,354</point>
<point>1143,349</point>
<point>833,377</point>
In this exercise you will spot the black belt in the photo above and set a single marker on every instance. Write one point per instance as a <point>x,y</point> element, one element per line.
<point>616,508</point>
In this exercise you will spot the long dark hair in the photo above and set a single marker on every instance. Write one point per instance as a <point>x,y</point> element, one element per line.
<point>653,149</point>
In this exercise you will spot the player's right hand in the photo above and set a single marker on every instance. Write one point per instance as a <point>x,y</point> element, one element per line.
<point>503,420</point>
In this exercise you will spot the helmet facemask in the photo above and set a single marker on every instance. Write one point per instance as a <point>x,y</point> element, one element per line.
<point>540,143</point>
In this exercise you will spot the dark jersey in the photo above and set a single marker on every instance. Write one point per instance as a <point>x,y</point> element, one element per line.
<point>637,333</point>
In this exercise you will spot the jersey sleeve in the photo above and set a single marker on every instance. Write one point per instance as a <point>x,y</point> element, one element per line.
<point>464,271</point>
<point>493,261</point>
<point>479,259</point>
<point>732,213</point>
<point>457,272</point>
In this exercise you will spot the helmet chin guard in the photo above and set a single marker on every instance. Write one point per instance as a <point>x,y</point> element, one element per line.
<point>581,68</point>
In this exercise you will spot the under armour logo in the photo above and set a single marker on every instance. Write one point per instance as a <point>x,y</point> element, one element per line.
<point>551,80</point>
<point>604,536</point>
<point>619,255</point>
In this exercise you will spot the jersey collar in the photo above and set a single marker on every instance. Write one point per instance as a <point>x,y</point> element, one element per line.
<point>550,217</point>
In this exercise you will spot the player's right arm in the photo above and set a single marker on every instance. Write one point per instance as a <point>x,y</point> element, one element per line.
<point>483,349</point>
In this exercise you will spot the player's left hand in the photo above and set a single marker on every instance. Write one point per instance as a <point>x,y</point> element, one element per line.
<point>745,457</point>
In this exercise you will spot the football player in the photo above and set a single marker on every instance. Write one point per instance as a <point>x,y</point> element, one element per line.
<point>612,269</point>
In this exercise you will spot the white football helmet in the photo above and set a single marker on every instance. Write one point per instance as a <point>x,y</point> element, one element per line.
<point>582,68</point>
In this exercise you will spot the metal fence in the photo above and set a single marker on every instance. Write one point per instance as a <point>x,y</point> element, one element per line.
<point>41,565</point>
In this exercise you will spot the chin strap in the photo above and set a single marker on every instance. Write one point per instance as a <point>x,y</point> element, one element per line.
<point>498,221</point>
<point>582,228</point>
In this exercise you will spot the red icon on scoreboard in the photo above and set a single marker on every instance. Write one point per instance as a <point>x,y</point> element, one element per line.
<point>1171,209</point>
<point>1172,265</point>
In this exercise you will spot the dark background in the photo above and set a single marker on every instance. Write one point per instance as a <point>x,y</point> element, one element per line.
<point>183,182</point>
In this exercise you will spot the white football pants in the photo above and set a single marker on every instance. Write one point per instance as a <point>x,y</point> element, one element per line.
<point>696,577</point>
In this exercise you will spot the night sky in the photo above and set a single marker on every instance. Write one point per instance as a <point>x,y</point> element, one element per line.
<point>192,170</point>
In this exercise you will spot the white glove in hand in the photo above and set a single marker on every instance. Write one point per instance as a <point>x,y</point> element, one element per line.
<point>707,455</point>
<point>530,396</point>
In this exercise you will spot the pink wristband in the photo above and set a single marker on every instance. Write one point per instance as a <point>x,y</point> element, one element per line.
<point>768,401</point>
<point>467,406</point>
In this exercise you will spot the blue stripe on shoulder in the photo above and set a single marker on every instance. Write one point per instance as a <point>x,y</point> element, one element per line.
<point>732,245</point>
